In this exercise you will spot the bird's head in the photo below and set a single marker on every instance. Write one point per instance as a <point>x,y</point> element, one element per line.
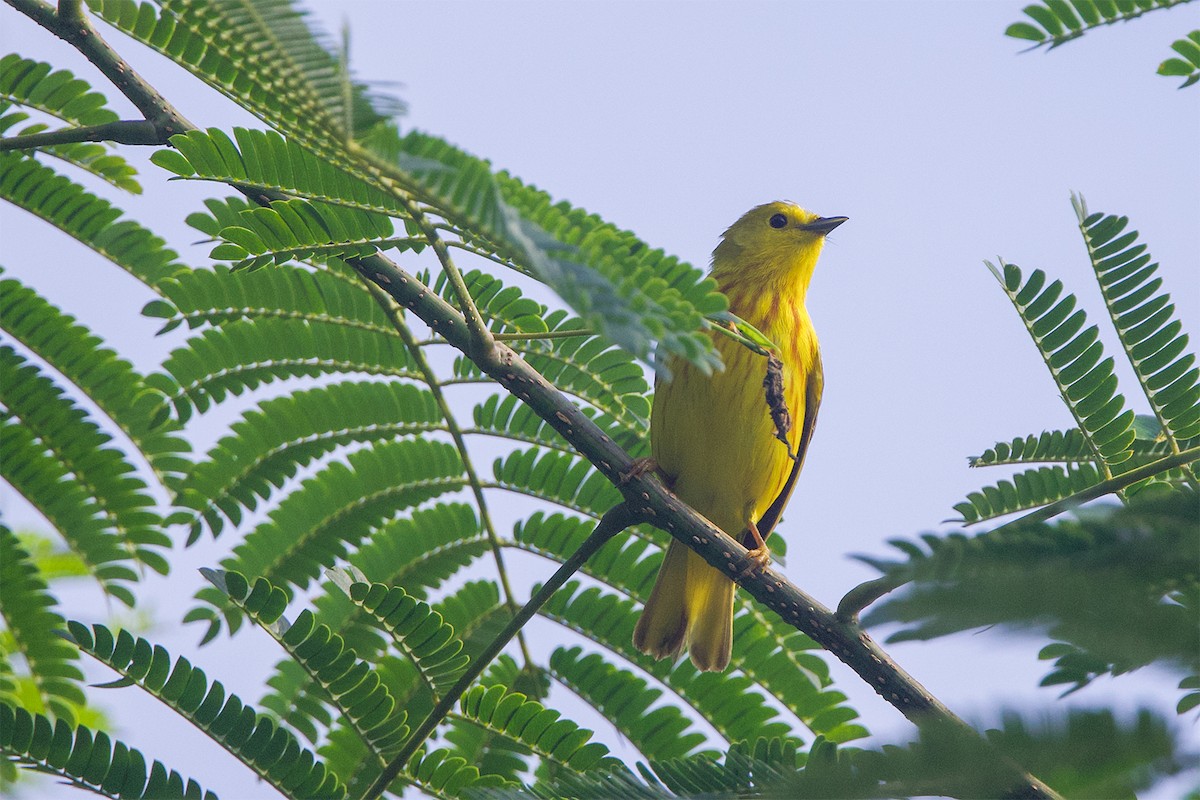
<point>773,242</point>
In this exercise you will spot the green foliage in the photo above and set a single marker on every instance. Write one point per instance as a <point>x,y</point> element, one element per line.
<point>1076,361</point>
<point>57,92</point>
<point>107,379</point>
<point>1142,316</point>
<point>1110,439</point>
<point>1085,754</point>
<point>417,630</point>
<point>329,513</point>
<point>91,157</point>
<point>31,618</point>
<point>1056,22</point>
<point>26,183</point>
<point>61,462</point>
<point>269,444</point>
<point>272,752</point>
<point>1187,67</point>
<point>353,461</point>
<point>89,760</point>
<point>354,689</point>
<point>1116,589</point>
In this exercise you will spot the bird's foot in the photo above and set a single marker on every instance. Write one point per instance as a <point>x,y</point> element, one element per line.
<point>640,467</point>
<point>759,555</point>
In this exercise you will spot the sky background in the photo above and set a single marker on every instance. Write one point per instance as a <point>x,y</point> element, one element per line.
<point>921,122</point>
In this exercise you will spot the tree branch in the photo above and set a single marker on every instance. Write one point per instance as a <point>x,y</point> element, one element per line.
<point>136,131</point>
<point>71,25</point>
<point>648,497</point>
<point>617,519</point>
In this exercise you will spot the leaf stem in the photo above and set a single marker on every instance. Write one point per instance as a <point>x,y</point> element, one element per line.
<point>136,131</point>
<point>70,24</point>
<point>867,593</point>
<point>396,315</point>
<point>617,519</point>
<point>1119,483</point>
<point>525,337</point>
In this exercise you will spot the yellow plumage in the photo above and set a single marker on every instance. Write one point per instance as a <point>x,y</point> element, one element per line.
<point>712,436</point>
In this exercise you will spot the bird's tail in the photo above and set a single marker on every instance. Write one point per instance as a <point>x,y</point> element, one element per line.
<point>691,605</point>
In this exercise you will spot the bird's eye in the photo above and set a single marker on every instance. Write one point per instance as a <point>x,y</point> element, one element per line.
<point>777,220</point>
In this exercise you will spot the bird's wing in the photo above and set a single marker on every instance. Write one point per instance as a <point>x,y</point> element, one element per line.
<point>812,402</point>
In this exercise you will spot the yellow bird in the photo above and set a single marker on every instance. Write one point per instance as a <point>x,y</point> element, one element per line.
<point>713,437</point>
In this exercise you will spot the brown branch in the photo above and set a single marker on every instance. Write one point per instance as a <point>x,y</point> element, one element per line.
<point>648,497</point>
<point>72,26</point>
<point>135,131</point>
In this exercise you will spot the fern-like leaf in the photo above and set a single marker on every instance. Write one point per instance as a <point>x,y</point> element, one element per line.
<point>91,760</point>
<point>418,631</point>
<point>108,380</point>
<point>625,700</point>
<point>1119,583</point>
<point>270,443</point>
<point>217,296</point>
<point>333,511</point>
<point>93,157</point>
<point>30,619</point>
<point>245,354</point>
<point>351,685</point>
<point>1188,66</point>
<point>622,290</point>
<point>1142,315</point>
<point>264,160</point>
<point>1056,22</point>
<point>302,230</point>
<point>272,752</point>
<point>1026,490</point>
<point>1076,361</point>
<point>557,740</point>
<point>287,79</point>
<point>62,463</point>
<point>57,92</point>
<point>65,204</point>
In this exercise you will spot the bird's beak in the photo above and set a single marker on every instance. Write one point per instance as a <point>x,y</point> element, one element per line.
<point>822,225</point>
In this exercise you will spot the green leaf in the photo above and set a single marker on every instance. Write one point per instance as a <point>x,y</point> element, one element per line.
<point>36,84</point>
<point>1117,585</point>
<point>332,512</point>
<point>1142,315</point>
<point>63,464</point>
<point>88,759</point>
<point>78,213</point>
<point>350,684</point>
<point>31,619</point>
<point>235,726</point>
<point>419,632</point>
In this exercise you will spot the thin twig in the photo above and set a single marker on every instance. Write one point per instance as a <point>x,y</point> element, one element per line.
<point>396,315</point>
<point>136,131</point>
<point>71,25</point>
<point>617,519</point>
<point>867,593</point>
<point>525,337</point>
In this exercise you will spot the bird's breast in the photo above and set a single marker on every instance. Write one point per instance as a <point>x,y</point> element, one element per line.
<point>715,434</point>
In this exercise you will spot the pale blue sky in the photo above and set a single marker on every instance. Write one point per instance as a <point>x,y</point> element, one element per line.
<point>919,121</point>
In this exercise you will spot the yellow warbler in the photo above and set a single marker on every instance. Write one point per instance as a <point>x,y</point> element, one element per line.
<point>713,437</point>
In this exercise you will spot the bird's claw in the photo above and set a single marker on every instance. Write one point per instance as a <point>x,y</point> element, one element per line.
<point>640,467</point>
<point>760,559</point>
